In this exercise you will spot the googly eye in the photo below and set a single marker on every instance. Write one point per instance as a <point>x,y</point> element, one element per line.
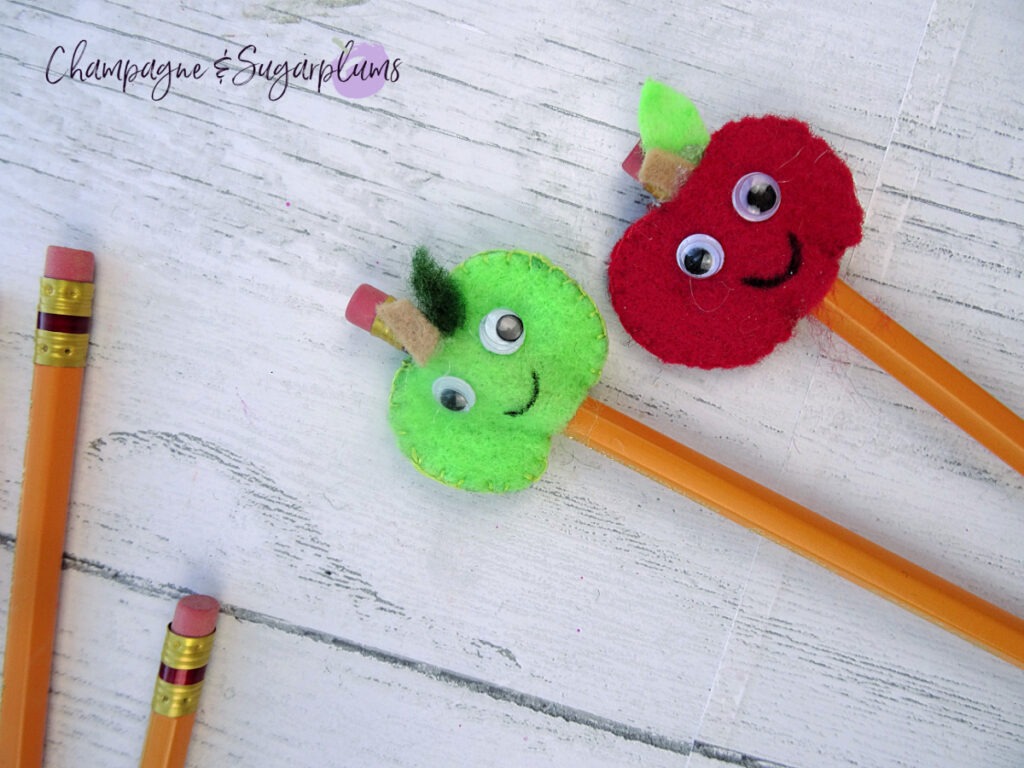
<point>502,331</point>
<point>453,393</point>
<point>700,256</point>
<point>756,197</point>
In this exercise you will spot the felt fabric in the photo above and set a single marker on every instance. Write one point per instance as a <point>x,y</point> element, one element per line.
<point>775,271</point>
<point>436,294</point>
<point>522,399</point>
<point>663,172</point>
<point>411,328</point>
<point>669,121</point>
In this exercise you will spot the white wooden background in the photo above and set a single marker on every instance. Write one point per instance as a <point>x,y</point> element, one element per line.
<point>234,437</point>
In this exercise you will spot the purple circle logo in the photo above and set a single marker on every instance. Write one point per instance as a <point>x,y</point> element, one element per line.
<point>362,69</point>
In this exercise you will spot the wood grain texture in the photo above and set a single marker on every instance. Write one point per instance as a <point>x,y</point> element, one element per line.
<point>233,437</point>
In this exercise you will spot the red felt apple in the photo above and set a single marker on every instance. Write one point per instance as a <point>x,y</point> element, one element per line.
<point>720,274</point>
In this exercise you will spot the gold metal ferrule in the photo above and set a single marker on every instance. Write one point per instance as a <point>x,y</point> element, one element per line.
<point>65,297</point>
<point>381,330</point>
<point>182,652</point>
<point>176,700</point>
<point>61,350</point>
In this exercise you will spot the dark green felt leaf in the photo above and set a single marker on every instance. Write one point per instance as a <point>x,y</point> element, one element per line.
<point>437,295</point>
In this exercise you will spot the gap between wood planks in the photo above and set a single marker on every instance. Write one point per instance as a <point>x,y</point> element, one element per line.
<point>527,701</point>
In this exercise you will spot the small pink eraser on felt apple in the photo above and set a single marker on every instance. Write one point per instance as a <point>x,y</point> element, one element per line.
<point>633,161</point>
<point>69,264</point>
<point>362,307</point>
<point>195,616</point>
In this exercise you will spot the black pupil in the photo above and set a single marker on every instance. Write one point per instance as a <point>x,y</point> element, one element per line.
<point>698,261</point>
<point>761,197</point>
<point>453,400</point>
<point>509,327</point>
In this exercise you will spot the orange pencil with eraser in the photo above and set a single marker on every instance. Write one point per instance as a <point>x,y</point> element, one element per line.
<point>179,681</point>
<point>502,352</point>
<point>61,345</point>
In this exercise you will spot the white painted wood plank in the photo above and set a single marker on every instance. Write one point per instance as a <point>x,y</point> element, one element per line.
<point>295,696</point>
<point>234,438</point>
<point>942,229</point>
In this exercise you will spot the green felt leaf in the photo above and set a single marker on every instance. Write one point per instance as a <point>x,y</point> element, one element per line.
<point>670,121</point>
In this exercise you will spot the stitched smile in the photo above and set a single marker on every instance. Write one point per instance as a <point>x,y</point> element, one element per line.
<point>796,259</point>
<point>532,400</point>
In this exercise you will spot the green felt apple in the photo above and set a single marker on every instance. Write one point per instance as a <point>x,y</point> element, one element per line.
<point>523,346</point>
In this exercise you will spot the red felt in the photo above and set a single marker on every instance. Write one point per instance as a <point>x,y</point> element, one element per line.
<point>721,322</point>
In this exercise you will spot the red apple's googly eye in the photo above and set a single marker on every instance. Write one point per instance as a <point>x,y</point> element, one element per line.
<point>453,393</point>
<point>502,331</point>
<point>700,256</point>
<point>756,197</point>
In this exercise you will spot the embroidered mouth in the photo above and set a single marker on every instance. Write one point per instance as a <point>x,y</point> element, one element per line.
<point>533,397</point>
<point>796,260</point>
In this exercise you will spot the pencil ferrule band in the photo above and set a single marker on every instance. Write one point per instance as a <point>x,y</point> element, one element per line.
<point>65,297</point>
<point>181,652</point>
<point>384,333</point>
<point>176,700</point>
<point>61,350</point>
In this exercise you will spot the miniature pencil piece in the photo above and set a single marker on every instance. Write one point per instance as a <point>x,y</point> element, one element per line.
<point>179,683</point>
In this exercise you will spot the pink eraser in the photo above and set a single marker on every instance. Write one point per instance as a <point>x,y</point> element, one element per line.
<point>195,616</point>
<point>69,264</point>
<point>633,161</point>
<point>362,307</point>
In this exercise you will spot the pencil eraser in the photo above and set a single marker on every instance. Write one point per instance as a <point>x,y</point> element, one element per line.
<point>633,161</point>
<point>69,264</point>
<point>362,307</point>
<point>195,616</point>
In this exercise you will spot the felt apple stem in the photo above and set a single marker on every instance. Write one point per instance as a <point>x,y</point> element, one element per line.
<point>776,517</point>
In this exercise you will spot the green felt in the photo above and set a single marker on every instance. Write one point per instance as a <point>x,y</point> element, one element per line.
<point>437,296</point>
<point>668,120</point>
<point>565,345</point>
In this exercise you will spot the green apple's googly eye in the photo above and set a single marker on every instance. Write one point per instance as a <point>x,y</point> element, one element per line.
<point>502,332</point>
<point>453,393</point>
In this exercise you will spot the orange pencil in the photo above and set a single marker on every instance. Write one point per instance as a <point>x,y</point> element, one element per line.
<point>774,516</point>
<point>924,372</point>
<point>179,682</point>
<point>61,345</point>
<point>805,532</point>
